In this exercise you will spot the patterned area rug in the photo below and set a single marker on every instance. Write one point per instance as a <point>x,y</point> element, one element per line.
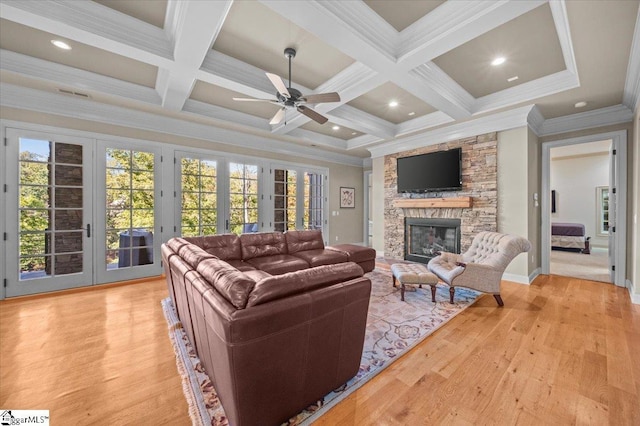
<point>393,327</point>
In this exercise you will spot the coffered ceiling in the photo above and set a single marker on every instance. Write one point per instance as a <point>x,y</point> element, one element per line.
<point>188,59</point>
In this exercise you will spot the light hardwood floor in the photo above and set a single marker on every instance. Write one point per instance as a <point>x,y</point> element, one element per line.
<point>561,351</point>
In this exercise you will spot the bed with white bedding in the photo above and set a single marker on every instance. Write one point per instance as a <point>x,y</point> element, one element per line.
<point>569,236</point>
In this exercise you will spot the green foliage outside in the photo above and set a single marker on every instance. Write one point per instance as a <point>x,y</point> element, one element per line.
<point>34,216</point>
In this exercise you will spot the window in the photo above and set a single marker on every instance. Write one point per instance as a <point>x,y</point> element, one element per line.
<point>199,212</point>
<point>130,217</point>
<point>243,198</point>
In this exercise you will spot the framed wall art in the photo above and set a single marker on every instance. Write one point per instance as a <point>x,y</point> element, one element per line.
<point>347,198</point>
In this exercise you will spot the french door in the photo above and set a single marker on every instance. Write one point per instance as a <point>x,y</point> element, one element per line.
<point>299,198</point>
<point>49,212</point>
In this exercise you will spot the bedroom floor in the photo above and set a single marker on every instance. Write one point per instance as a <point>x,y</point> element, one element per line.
<point>594,266</point>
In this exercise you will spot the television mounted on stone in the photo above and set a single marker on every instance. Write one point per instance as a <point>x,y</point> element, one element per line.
<point>433,172</point>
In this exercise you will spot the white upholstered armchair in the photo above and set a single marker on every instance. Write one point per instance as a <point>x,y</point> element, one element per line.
<point>481,267</point>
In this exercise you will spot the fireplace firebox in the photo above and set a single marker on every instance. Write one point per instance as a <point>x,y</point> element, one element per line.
<point>425,238</point>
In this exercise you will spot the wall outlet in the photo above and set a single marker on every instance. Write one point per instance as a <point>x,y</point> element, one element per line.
<point>533,258</point>
<point>336,238</point>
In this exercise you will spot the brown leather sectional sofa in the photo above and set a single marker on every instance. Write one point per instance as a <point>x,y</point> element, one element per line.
<point>277,320</point>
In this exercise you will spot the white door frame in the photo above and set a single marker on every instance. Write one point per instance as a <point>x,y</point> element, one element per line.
<point>367,175</point>
<point>619,143</point>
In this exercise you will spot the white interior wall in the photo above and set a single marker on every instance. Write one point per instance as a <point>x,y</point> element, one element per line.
<point>575,179</point>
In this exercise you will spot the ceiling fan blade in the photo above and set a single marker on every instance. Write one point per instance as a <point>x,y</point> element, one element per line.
<point>278,117</point>
<point>319,118</point>
<point>279,85</point>
<point>321,97</point>
<point>254,100</point>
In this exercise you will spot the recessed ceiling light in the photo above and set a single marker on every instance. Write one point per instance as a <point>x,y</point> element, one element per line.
<point>580,104</point>
<point>354,133</point>
<point>336,127</point>
<point>412,113</point>
<point>514,78</point>
<point>61,44</point>
<point>393,104</point>
<point>498,61</point>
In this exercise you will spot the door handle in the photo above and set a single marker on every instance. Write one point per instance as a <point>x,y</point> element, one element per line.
<point>88,230</point>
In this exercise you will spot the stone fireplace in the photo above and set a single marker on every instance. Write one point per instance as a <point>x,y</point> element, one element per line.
<point>425,238</point>
<point>479,185</point>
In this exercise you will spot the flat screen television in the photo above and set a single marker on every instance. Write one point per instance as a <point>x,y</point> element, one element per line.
<point>433,172</point>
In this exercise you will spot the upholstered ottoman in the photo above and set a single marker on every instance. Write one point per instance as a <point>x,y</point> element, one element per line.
<point>413,273</point>
<point>363,256</point>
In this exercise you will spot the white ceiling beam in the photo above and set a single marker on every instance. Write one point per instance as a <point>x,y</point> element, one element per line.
<point>193,28</point>
<point>224,114</point>
<point>69,106</point>
<point>453,24</point>
<point>351,28</point>
<point>95,25</point>
<point>319,139</point>
<point>63,76</point>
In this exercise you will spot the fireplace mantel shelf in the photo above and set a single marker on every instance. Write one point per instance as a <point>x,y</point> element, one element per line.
<point>428,203</point>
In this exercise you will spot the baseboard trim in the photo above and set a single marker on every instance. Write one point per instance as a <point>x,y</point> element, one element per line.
<point>521,279</point>
<point>635,296</point>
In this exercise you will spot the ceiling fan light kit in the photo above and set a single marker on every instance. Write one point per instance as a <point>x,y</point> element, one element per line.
<point>289,98</point>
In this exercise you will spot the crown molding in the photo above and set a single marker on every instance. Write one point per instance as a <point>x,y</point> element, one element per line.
<point>93,24</point>
<point>525,92</point>
<point>631,94</point>
<point>347,115</point>
<point>491,123</point>
<point>319,139</point>
<point>586,120</point>
<point>561,22</point>
<point>434,119</point>
<point>535,120</point>
<point>362,141</point>
<point>80,80</point>
<point>51,103</point>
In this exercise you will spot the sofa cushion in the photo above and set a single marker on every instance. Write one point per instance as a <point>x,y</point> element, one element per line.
<point>278,264</point>
<point>193,255</point>
<point>225,246</point>
<point>256,274</point>
<point>322,257</point>
<point>240,265</point>
<point>292,283</point>
<point>175,244</point>
<point>303,240</point>
<point>232,284</point>
<point>356,253</point>
<point>262,244</point>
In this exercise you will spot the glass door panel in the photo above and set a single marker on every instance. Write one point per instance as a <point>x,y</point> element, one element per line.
<point>313,215</point>
<point>284,200</point>
<point>199,209</point>
<point>243,198</point>
<point>51,213</point>
<point>130,208</point>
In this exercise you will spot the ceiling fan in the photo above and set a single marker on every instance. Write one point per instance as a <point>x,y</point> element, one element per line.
<point>288,97</point>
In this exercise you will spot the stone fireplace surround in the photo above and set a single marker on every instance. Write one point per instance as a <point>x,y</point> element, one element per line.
<point>479,181</point>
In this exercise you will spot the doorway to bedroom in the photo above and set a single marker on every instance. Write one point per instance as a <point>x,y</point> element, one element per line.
<point>579,179</point>
<point>584,215</point>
